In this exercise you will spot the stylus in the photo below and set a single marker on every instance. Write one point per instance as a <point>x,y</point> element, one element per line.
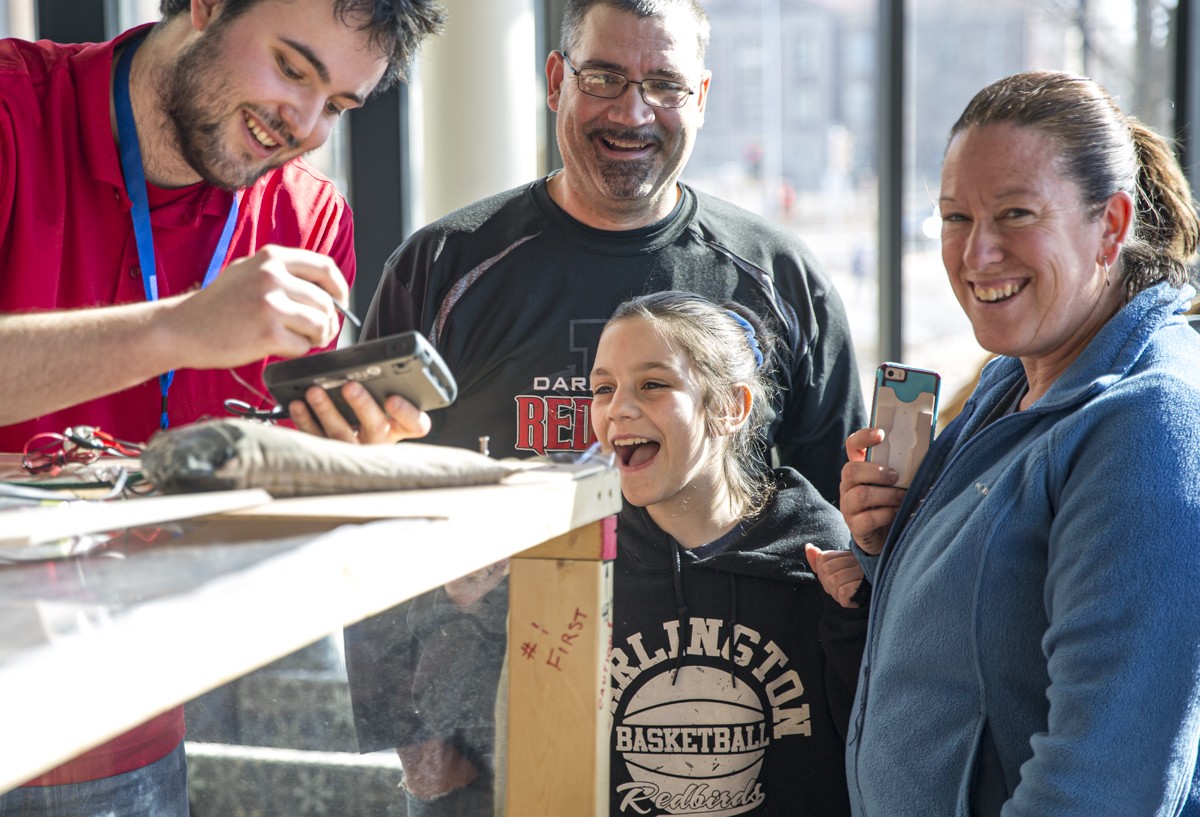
<point>348,315</point>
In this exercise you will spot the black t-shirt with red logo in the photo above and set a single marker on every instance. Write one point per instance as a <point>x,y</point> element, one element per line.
<point>513,293</point>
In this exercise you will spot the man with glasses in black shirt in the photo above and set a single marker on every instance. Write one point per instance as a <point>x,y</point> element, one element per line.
<point>514,290</point>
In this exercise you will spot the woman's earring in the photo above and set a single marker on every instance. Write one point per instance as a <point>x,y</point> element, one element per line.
<point>1104,263</point>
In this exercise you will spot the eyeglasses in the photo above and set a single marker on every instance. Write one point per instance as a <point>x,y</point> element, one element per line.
<point>658,93</point>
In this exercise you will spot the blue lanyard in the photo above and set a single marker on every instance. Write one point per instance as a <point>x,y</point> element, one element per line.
<point>135,186</point>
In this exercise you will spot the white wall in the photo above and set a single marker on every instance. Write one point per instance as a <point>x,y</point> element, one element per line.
<point>478,98</point>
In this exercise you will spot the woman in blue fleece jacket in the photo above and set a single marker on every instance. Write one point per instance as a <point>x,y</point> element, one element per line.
<point>1034,642</point>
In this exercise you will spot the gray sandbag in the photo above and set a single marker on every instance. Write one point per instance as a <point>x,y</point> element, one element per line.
<point>227,454</point>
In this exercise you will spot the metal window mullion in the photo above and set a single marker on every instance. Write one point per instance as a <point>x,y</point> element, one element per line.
<point>890,107</point>
<point>1187,90</point>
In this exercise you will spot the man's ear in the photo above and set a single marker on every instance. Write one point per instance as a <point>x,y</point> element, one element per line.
<point>739,411</point>
<point>203,12</point>
<point>702,94</point>
<point>555,67</point>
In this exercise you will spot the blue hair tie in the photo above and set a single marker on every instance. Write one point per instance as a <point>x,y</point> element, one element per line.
<point>751,336</point>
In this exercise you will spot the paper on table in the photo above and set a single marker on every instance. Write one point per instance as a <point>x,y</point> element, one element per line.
<point>34,526</point>
<point>103,471</point>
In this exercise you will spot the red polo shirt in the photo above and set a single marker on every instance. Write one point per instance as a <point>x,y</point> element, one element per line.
<point>66,235</point>
<point>66,241</point>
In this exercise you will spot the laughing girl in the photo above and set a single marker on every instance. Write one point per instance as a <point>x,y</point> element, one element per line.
<point>732,670</point>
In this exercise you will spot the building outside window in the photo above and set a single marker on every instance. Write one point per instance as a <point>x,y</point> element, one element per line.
<point>814,168</point>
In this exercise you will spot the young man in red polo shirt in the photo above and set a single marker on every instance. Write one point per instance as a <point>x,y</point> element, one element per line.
<point>132,172</point>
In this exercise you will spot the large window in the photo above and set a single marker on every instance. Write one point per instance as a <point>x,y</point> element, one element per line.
<point>793,123</point>
<point>953,50</point>
<point>792,128</point>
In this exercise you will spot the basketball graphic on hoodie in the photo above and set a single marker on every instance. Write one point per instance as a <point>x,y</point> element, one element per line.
<point>697,736</point>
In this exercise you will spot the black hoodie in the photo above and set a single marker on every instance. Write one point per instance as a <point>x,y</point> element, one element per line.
<point>759,731</point>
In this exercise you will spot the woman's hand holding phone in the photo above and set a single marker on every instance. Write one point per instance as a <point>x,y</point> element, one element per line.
<point>874,482</point>
<point>868,500</point>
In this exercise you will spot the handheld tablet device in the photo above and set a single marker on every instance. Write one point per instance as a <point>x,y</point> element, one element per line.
<point>404,364</point>
<point>905,407</point>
